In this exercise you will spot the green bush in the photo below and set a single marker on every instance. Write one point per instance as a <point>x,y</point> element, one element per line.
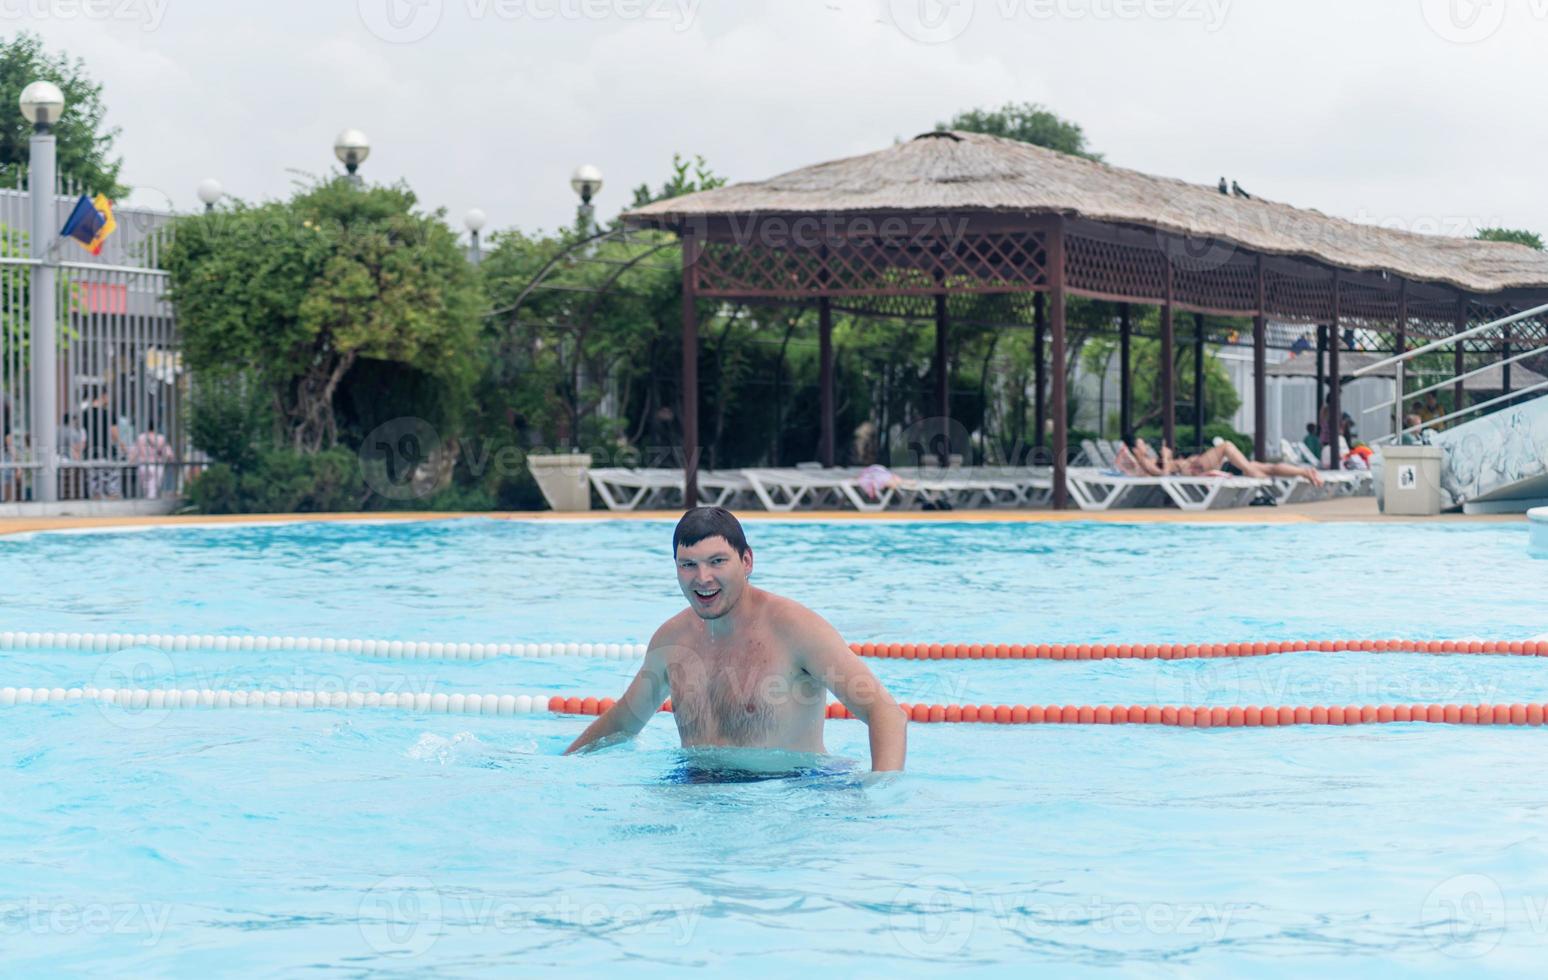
<point>282,482</point>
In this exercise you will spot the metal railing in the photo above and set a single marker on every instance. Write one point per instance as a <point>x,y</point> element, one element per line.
<point>1400,360</point>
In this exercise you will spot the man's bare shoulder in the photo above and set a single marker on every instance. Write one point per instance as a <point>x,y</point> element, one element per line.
<point>793,621</point>
<point>674,631</point>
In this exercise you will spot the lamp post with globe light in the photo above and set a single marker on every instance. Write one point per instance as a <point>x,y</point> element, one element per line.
<point>352,147</point>
<point>43,103</point>
<point>474,220</point>
<point>587,182</point>
<point>210,192</point>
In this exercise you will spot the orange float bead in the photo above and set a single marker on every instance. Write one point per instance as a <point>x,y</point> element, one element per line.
<point>1185,718</point>
<point>1236,718</point>
<point>1019,715</point>
<point>1369,715</point>
<point>953,713</point>
<point>1002,714</point>
<point>572,705</point>
<point>1403,713</point>
<point>1385,714</point>
<point>556,704</point>
<point>1534,714</point>
<point>1103,715</point>
<point>1468,714</point>
<point>937,713</point>
<point>1036,715</point>
<point>1084,715</point>
<point>1170,716</point>
<point>1452,714</point>
<point>1319,716</point>
<point>589,706</point>
<point>970,713</point>
<point>1220,717</point>
<point>1252,716</point>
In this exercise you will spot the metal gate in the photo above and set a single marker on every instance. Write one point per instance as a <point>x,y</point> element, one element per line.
<point>121,385</point>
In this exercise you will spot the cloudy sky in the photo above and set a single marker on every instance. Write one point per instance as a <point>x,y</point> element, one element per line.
<point>1419,114</point>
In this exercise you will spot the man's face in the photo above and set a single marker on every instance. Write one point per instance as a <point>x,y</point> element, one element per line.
<point>712,576</point>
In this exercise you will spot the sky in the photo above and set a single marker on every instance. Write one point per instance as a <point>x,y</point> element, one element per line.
<point>1415,114</point>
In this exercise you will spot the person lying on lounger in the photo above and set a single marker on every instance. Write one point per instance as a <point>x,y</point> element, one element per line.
<point>1213,461</point>
<point>746,668</point>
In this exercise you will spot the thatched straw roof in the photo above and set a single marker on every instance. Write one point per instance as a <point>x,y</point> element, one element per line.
<point>970,172</point>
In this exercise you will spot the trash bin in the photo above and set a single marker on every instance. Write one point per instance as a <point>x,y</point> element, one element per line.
<point>563,480</point>
<point>1411,480</point>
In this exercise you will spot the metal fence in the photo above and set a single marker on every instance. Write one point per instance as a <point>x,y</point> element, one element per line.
<point>121,386</point>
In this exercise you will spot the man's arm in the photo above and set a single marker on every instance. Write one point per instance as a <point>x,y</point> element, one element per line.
<point>637,706</point>
<point>828,658</point>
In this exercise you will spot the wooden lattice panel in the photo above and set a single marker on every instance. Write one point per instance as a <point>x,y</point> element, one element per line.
<point>1372,305</point>
<point>1306,299</point>
<point>874,266</point>
<point>1231,285</point>
<point>1110,269</point>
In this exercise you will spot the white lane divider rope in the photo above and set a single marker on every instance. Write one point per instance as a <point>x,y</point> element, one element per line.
<point>160,699</point>
<point>387,649</point>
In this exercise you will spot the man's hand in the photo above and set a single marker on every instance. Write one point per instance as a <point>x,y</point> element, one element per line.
<point>637,706</point>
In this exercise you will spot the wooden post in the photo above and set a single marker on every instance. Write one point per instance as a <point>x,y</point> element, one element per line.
<point>690,378</point>
<point>1198,381</point>
<point>825,447</point>
<point>1125,373</point>
<point>1168,369</point>
<point>1260,373</point>
<point>1040,370</point>
<point>1399,348</point>
<point>1335,380</point>
<point>1505,356</point>
<point>1322,374</point>
<point>942,383</point>
<point>1056,280</point>
<point>1458,362</point>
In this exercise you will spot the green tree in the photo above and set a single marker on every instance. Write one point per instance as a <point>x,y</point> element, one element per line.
<point>295,295</point>
<point>1530,239</point>
<point>1028,122</point>
<point>85,144</point>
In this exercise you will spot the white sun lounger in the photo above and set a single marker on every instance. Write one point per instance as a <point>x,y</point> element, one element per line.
<point>626,489</point>
<point>787,489</point>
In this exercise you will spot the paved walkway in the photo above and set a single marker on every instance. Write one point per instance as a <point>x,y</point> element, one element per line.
<point>1328,511</point>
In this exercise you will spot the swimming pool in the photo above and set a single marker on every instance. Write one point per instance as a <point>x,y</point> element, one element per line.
<point>387,842</point>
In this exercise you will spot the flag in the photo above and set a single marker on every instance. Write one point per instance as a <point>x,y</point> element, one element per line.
<point>91,223</point>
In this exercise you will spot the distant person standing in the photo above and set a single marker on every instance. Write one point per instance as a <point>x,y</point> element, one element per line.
<point>1312,441</point>
<point>102,445</point>
<point>150,453</point>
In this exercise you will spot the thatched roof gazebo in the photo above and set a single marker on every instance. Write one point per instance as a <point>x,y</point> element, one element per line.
<point>947,214</point>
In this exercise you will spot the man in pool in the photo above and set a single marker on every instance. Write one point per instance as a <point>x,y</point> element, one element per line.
<point>746,668</point>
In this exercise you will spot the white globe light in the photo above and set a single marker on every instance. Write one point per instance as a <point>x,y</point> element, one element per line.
<point>42,103</point>
<point>587,182</point>
<point>210,191</point>
<point>474,220</point>
<point>352,147</point>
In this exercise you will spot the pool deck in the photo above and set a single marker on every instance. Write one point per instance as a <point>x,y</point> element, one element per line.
<point>1343,510</point>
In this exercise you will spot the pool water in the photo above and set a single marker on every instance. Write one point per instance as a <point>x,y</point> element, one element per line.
<point>386,843</point>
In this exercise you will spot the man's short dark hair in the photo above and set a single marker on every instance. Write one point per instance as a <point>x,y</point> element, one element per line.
<point>709,522</point>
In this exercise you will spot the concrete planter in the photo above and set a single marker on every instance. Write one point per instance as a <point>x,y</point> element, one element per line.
<point>563,480</point>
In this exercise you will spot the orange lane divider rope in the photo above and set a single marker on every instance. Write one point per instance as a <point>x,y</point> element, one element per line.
<point>1186,651</point>
<point>1179,717</point>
